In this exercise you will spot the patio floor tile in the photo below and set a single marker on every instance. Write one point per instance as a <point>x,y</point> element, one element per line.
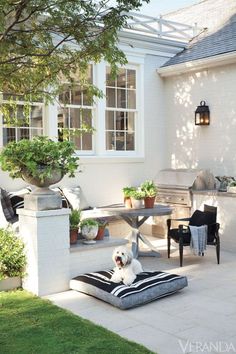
<point>204,312</point>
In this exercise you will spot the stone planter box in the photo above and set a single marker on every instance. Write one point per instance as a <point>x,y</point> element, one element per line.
<point>10,283</point>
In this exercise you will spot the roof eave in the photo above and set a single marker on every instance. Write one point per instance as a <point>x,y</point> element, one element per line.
<point>136,40</point>
<point>198,64</point>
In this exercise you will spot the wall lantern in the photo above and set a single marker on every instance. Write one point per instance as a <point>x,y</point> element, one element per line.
<point>202,114</point>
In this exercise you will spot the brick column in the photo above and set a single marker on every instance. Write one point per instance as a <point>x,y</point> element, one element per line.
<point>46,237</point>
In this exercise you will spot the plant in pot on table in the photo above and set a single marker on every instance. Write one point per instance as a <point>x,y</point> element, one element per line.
<point>150,191</point>
<point>89,230</point>
<point>127,191</point>
<point>137,197</point>
<point>74,225</point>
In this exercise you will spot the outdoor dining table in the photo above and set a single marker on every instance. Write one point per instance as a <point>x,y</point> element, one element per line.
<point>135,218</point>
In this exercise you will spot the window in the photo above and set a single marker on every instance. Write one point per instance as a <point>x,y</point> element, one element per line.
<point>75,111</point>
<point>121,112</point>
<point>24,120</point>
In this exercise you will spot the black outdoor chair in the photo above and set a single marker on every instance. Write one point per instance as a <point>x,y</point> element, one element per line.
<point>182,234</point>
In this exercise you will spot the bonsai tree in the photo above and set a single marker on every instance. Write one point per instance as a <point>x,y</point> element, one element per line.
<point>39,158</point>
<point>12,257</point>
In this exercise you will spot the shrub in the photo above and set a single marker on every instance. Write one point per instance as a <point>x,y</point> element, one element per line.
<point>12,257</point>
<point>38,158</point>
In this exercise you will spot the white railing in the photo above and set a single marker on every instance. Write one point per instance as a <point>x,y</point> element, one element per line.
<point>161,28</point>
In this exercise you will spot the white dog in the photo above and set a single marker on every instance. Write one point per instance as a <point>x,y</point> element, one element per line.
<point>126,267</point>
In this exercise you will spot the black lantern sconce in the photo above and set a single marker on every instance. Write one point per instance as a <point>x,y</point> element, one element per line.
<point>202,114</point>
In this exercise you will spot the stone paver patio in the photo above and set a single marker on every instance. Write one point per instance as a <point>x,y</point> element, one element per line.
<point>199,319</point>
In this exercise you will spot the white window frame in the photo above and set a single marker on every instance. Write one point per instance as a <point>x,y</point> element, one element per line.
<point>93,109</point>
<point>100,138</point>
<point>21,103</point>
<point>99,152</point>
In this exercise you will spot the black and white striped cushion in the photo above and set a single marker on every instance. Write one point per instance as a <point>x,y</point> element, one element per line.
<point>6,205</point>
<point>17,198</point>
<point>148,286</point>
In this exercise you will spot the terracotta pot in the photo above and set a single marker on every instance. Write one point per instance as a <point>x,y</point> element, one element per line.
<point>100,234</point>
<point>73,236</point>
<point>149,202</point>
<point>127,202</point>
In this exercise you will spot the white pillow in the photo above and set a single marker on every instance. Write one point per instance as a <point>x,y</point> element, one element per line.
<point>75,197</point>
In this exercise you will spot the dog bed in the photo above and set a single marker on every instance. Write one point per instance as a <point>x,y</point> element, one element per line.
<point>148,286</point>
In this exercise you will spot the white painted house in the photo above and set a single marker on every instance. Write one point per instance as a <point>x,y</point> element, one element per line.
<point>129,144</point>
<point>146,121</point>
<point>205,70</point>
<point>144,124</point>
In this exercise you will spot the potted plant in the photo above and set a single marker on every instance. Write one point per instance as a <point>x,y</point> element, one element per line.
<point>12,260</point>
<point>137,197</point>
<point>127,191</point>
<point>89,230</point>
<point>102,224</point>
<point>39,161</point>
<point>75,216</point>
<point>150,191</point>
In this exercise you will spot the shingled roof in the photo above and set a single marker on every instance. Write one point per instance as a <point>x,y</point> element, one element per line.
<point>221,41</point>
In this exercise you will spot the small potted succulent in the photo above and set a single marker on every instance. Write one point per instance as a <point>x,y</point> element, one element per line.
<point>89,230</point>
<point>150,191</point>
<point>137,197</point>
<point>75,216</point>
<point>127,191</point>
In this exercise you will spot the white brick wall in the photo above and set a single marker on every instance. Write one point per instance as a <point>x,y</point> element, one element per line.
<point>207,13</point>
<point>225,205</point>
<point>46,237</point>
<point>190,146</point>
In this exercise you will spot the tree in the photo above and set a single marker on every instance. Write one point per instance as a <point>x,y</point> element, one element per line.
<point>42,41</point>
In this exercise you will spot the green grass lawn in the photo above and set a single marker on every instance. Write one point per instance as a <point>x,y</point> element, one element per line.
<point>29,324</point>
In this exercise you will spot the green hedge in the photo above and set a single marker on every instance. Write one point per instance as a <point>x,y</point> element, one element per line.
<point>12,257</point>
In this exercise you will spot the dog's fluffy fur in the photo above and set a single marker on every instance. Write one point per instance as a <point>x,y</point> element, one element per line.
<point>126,267</point>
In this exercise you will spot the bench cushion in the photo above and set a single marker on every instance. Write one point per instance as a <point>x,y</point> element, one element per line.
<point>6,205</point>
<point>148,286</point>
